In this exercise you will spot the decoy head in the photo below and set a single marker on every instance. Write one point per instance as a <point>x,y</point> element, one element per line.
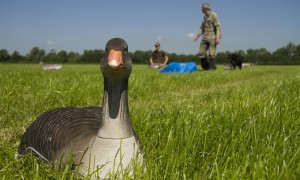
<point>115,59</point>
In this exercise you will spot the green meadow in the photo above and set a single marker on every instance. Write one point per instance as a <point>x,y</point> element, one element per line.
<point>238,124</point>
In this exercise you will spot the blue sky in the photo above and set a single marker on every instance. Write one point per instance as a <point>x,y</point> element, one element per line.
<point>76,25</point>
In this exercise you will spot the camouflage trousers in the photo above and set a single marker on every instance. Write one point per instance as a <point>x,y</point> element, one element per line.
<point>209,45</point>
<point>208,62</point>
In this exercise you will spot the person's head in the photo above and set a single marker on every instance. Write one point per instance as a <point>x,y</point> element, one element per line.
<point>157,45</point>
<point>205,8</point>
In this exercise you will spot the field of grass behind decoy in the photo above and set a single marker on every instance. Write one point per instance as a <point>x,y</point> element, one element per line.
<point>242,124</point>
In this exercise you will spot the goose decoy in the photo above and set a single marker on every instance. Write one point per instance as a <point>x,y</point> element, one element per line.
<point>99,139</point>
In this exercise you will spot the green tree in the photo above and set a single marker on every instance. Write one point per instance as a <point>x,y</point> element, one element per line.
<point>91,56</point>
<point>258,56</point>
<point>4,55</point>
<point>290,50</point>
<point>264,56</point>
<point>222,57</point>
<point>16,57</point>
<point>73,57</point>
<point>141,57</point>
<point>287,55</point>
<point>297,53</point>
<point>172,57</point>
<point>36,54</point>
<point>62,57</point>
<point>280,56</point>
<point>50,57</point>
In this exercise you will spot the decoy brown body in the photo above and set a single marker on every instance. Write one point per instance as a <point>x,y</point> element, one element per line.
<point>97,137</point>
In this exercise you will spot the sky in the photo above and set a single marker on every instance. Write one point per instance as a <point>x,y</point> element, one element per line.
<point>78,25</point>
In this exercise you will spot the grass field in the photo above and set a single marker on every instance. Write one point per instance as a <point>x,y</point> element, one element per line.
<point>242,124</point>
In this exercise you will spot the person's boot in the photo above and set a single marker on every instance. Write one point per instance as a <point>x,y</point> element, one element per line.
<point>212,64</point>
<point>204,64</point>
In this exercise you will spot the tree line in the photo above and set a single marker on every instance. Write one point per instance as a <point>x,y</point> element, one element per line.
<point>287,55</point>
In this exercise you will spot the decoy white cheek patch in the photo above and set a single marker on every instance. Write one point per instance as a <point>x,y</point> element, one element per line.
<point>113,63</point>
<point>115,58</point>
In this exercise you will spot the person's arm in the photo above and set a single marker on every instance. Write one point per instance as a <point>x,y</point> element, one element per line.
<point>200,32</point>
<point>217,28</point>
<point>218,34</point>
<point>166,60</point>
<point>151,61</point>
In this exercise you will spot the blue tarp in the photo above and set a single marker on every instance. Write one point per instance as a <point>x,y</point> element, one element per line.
<point>175,67</point>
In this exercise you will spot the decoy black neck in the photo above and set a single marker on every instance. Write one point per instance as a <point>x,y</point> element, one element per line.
<point>115,122</point>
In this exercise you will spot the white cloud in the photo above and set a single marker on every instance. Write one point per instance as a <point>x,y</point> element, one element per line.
<point>191,35</point>
<point>50,43</point>
<point>159,38</point>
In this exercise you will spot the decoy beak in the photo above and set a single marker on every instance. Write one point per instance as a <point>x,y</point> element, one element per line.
<point>115,59</point>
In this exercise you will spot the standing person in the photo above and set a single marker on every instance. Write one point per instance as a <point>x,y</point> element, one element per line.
<point>158,57</point>
<point>210,30</point>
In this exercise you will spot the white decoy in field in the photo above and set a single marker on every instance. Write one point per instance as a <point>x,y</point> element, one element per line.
<point>97,137</point>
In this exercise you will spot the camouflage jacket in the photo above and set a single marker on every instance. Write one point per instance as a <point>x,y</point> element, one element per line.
<point>210,27</point>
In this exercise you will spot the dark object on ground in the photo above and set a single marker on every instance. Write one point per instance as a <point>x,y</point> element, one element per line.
<point>204,64</point>
<point>236,60</point>
<point>208,64</point>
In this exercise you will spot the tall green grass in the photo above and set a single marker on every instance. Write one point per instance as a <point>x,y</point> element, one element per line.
<point>242,124</point>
